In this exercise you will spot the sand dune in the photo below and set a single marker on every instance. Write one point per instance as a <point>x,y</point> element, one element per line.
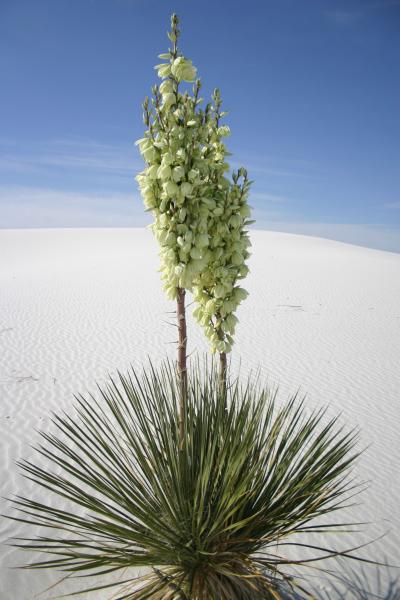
<point>322,316</point>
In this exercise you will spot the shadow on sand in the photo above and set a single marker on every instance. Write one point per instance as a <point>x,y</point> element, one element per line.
<point>373,583</point>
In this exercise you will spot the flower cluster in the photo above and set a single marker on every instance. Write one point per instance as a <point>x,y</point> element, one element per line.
<point>216,291</point>
<point>199,214</point>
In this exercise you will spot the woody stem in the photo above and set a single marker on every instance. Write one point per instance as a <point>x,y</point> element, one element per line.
<point>181,364</point>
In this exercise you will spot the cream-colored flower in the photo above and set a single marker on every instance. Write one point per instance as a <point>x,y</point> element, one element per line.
<point>164,172</point>
<point>183,70</point>
<point>152,171</point>
<point>163,70</point>
<point>223,131</point>
<point>166,87</point>
<point>169,100</point>
<point>178,173</point>
<point>171,189</point>
<point>186,188</point>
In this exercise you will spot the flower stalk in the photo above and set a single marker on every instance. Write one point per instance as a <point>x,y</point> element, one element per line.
<point>182,366</point>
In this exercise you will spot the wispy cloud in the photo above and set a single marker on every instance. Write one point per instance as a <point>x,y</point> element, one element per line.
<point>344,17</point>
<point>23,207</point>
<point>265,197</point>
<point>392,204</point>
<point>278,166</point>
<point>44,157</point>
<point>384,4</point>
<point>347,17</point>
<point>45,207</point>
<point>269,170</point>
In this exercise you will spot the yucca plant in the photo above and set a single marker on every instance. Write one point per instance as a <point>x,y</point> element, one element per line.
<point>197,480</point>
<point>205,520</point>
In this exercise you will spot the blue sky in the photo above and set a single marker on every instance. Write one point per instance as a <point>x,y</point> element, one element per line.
<point>312,88</point>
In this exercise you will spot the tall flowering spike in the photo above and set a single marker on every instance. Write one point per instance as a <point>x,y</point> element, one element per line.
<point>199,214</point>
<point>171,185</point>
<point>217,290</point>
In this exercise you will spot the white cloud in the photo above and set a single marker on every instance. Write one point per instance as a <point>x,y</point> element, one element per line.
<point>37,207</point>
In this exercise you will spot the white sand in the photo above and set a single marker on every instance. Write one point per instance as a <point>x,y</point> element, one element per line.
<point>321,316</point>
